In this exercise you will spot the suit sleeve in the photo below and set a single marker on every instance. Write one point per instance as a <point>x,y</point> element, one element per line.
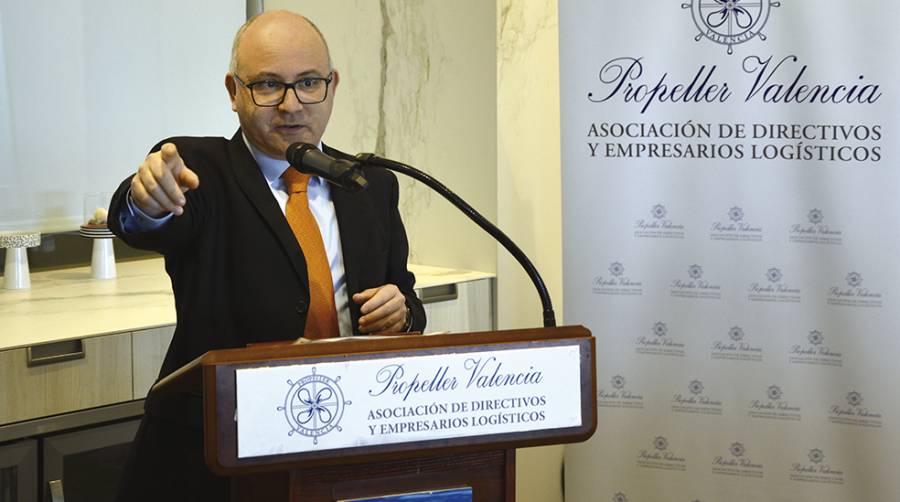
<point>179,231</point>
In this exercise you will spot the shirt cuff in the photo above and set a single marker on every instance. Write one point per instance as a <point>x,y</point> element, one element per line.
<point>134,220</point>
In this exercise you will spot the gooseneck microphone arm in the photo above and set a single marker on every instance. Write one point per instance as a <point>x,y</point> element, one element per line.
<point>368,159</point>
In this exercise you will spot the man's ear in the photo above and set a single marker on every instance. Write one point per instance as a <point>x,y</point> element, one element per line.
<point>231,86</point>
<point>335,80</point>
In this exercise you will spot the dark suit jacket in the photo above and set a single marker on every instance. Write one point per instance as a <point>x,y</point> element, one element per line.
<point>239,277</point>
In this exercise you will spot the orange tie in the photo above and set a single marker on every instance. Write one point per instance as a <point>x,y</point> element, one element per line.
<point>321,318</point>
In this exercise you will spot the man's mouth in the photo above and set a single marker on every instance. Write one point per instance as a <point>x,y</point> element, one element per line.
<point>288,128</point>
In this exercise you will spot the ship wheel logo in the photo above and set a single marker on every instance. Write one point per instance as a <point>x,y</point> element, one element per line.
<point>314,406</point>
<point>730,22</point>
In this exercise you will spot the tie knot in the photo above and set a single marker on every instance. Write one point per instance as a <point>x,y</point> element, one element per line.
<point>295,181</point>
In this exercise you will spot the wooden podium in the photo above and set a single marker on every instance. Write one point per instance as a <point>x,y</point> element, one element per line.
<point>364,417</point>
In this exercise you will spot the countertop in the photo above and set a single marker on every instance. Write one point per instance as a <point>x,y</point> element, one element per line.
<point>67,304</point>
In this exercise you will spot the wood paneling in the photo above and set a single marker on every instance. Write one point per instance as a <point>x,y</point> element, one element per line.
<point>149,348</point>
<point>102,377</point>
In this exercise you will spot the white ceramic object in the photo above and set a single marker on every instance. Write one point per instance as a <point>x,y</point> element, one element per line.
<point>103,260</point>
<point>15,273</point>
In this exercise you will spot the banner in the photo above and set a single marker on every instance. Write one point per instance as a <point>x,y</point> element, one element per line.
<point>729,189</point>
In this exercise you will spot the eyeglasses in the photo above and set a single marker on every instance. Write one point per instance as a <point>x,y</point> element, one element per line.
<point>309,90</point>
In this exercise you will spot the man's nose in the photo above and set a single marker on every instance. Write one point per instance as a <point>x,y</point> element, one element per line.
<point>291,101</point>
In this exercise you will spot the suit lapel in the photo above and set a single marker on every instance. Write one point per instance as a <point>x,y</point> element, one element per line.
<point>354,215</point>
<point>257,190</point>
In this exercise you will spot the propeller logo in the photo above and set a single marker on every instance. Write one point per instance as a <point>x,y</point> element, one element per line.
<point>314,406</point>
<point>730,22</point>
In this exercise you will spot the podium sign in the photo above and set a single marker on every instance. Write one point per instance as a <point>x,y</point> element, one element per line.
<point>380,399</point>
<point>353,418</point>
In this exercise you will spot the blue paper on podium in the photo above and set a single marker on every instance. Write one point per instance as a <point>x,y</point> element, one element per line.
<point>454,495</point>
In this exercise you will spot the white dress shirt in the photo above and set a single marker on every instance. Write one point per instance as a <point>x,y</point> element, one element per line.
<point>320,205</point>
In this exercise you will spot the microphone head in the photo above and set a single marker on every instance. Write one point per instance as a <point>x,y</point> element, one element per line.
<point>295,152</point>
<point>307,158</point>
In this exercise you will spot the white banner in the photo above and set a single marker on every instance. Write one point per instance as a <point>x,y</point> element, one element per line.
<point>323,406</point>
<point>729,176</point>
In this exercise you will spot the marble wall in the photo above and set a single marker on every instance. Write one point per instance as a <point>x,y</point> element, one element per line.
<point>418,85</point>
<point>529,192</point>
<point>528,153</point>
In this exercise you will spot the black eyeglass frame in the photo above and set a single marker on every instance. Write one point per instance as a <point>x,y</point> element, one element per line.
<point>285,87</point>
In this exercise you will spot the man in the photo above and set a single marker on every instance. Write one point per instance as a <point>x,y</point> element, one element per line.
<point>255,251</point>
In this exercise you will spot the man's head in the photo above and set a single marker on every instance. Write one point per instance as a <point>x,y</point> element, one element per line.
<point>284,47</point>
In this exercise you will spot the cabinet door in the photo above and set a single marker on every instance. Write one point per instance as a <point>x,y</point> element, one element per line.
<point>89,463</point>
<point>18,472</point>
<point>149,347</point>
<point>43,380</point>
<point>460,307</point>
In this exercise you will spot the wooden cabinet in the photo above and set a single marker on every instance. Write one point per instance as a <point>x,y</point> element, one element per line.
<point>19,471</point>
<point>149,347</point>
<point>49,389</point>
<point>68,376</point>
<point>57,396</point>
<point>86,464</point>
<point>54,378</point>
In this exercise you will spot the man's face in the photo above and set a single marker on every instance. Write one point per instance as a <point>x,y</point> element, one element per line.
<point>286,50</point>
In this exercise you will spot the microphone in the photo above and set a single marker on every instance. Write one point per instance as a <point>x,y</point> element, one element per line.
<point>307,159</point>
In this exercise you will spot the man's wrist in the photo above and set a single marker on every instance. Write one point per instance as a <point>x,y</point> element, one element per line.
<point>134,219</point>
<point>407,323</point>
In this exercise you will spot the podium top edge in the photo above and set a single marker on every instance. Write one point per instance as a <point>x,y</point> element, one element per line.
<point>364,344</point>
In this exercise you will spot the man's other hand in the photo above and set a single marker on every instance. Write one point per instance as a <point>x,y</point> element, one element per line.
<point>161,181</point>
<point>382,308</point>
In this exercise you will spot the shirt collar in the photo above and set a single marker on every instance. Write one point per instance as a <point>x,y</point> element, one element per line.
<point>273,168</point>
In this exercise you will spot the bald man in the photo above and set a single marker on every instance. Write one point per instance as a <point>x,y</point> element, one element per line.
<point>241,270</point>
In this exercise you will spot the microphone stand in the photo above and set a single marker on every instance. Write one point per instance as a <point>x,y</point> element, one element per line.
<point>369,159</point>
